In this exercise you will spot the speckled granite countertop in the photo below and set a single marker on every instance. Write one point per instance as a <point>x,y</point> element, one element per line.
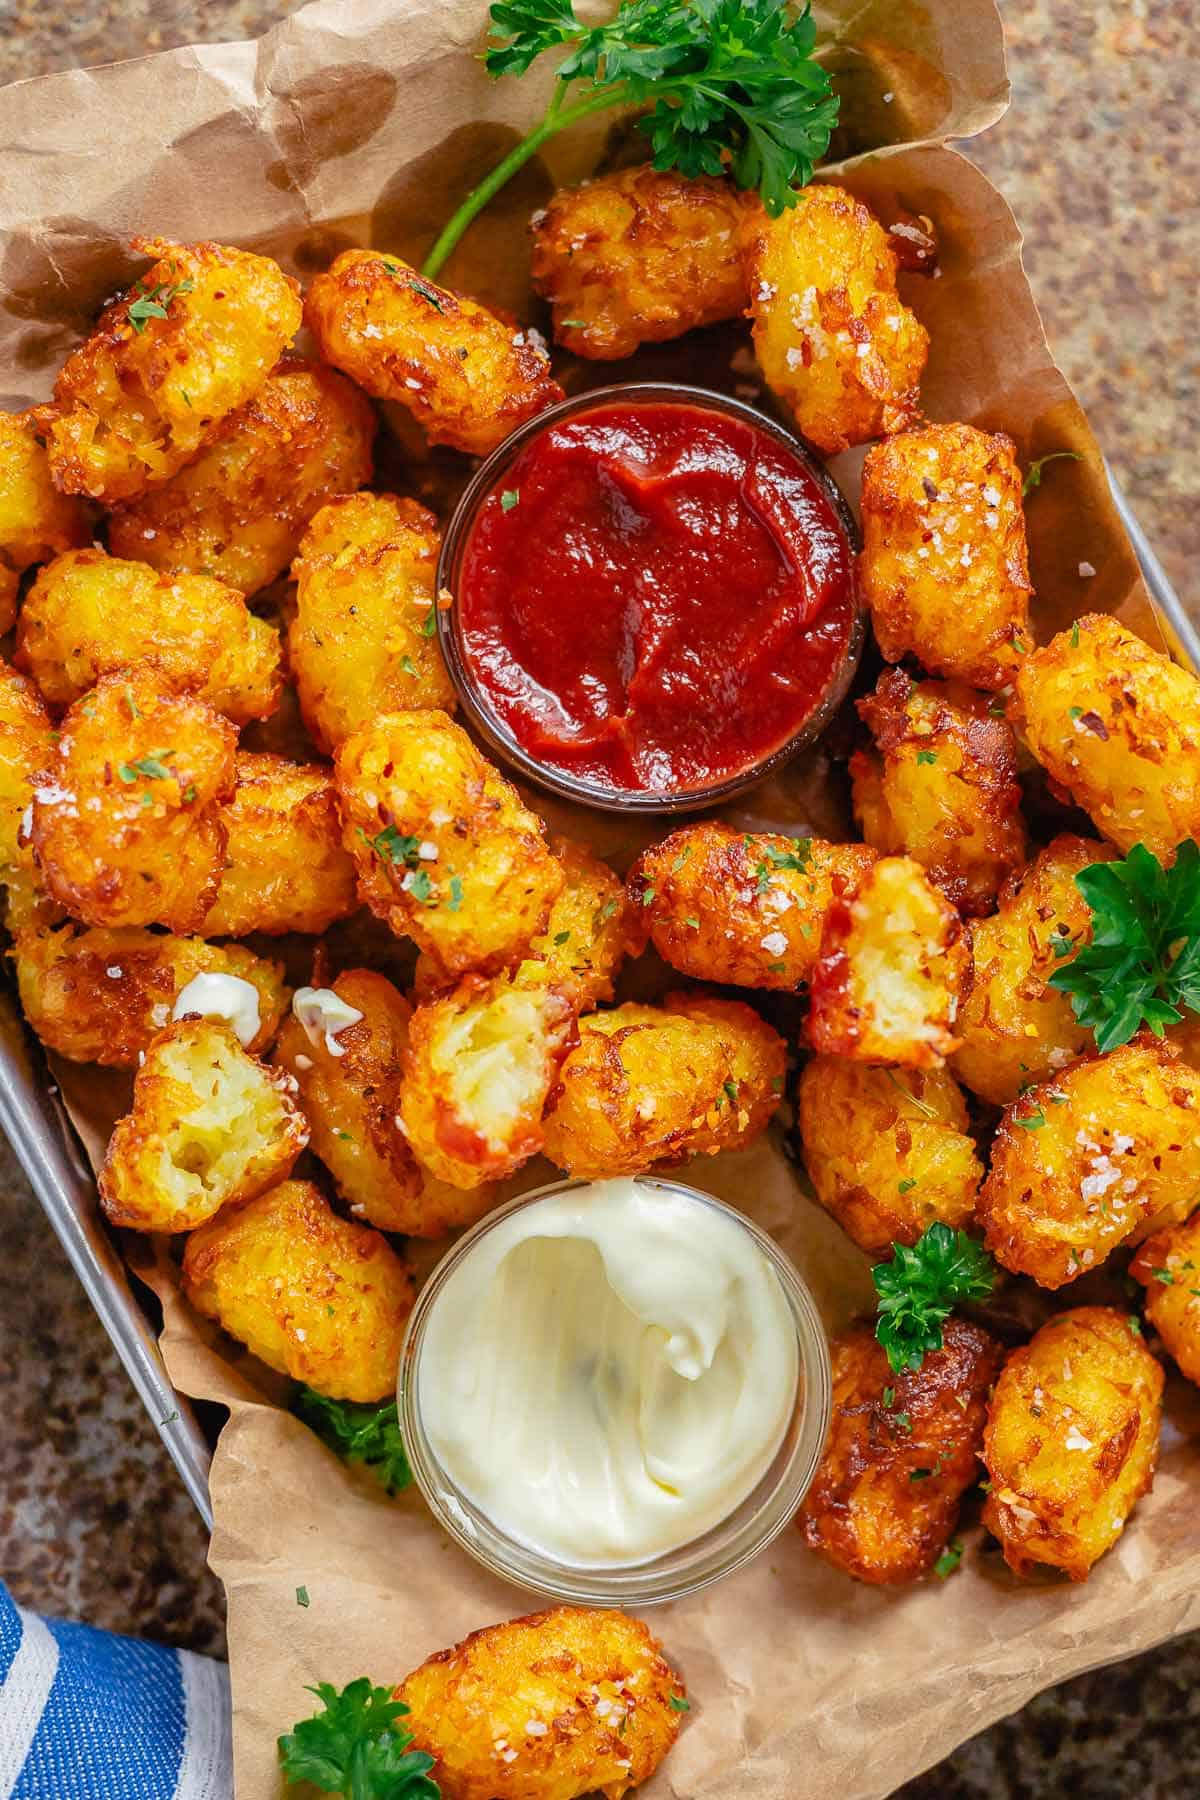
<point>1096,160</point>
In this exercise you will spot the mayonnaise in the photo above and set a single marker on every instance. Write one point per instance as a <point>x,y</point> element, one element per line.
<point>609,1371</point>
<point>323,1013</point>
<point>225,997</point>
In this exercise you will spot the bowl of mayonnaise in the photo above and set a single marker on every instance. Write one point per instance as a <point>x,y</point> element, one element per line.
<point>614,1392</point>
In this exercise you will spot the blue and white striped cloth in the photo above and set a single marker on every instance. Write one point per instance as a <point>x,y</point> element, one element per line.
<point>87,1716</point>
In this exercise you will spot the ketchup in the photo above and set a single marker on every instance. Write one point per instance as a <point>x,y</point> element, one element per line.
<point>655,595</point>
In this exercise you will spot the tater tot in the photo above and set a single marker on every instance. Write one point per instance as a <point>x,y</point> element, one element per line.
<point>745,908</point>
<point>1117,725</point>
<point>446,853</point>
<point>1168,1267</point>
<point>648,1086</point>
<point>580,1698</point>
<point>901,1453</point>
<point>168,360</point>
<point>88,614</point>
<point>1015,1028</point>
<point>26,748</point>
<point>941,786</point>
<point>361,643</point>
<point>210,1125</point>
<point>314,1296</point>
<point>36,521</point>
<point>1097,1156</point>
<point>834,340</point>
<point>638,256</point>
<point>893,968</point>
<point>944,566</point>
<point>239,510</point>
<point>478,1067</point>
<point>126,824</point>
<point>467,376</point>
<point>285,868</point>
<point>101,996</point>
<point>1071,1440</point>
<point>888,1151</point>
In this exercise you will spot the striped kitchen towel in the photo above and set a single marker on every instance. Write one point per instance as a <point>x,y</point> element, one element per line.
<point>87,1716</point>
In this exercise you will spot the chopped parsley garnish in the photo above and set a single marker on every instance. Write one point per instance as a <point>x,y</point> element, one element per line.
<point>301,1596</point>
<point>1034,1122</point>
<point>889,1397</point>
<point>152,766</point>
<point>678,1703</point>
<point>1033,475</point>
<point>356,1747</point>
<point>926,756</point>
<point>406,663</point>
<point>420,887</point>
<point>456,894</point>
<point>920,1287</point>
<point>429,622</point>
<point>417,284</point>
<point>906,1186</point>
<point>359,1433</point>
<point>562,937</point>
<point>1165,1276</point>
<point>152,303</point>
<point>949,1560</point>
<point>393,846</point>
<point>509,498</point>
<point>729,1088</point>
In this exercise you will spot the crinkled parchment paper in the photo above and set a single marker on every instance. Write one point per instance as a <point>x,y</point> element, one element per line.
<point>362,121</point>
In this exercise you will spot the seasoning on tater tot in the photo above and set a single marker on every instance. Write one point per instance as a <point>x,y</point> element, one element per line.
<point>901,1453</point>
<point>36,521</point>
<point>944,566</point>
<point>189,342</point>
<point>1168,1267</point>
<point>446,853</point>
<point>1097,1156</point>
<point>467,376</point>
<point>888,1151</point>
<point>941,786</point>
<point>26,748</point>
<point>638,256</point>
<point>834,340</point>
<point>1071,1440</point>
<point>892,970</point>
<point>285,867</point>
<point>361,642</point>
<point>1117,725</point>
<point>239,510</point>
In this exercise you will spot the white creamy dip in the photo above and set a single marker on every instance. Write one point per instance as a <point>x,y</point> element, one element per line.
<point>323,1014</point>
<point>609,1372</point>
<point>225,997</point>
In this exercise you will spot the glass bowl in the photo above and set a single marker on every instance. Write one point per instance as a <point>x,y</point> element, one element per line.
<point>749,1528</point>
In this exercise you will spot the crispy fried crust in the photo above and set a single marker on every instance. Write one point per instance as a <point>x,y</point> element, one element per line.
<point>595,1684</point>
<point>888,1150</point>
<point>313,1296</point>
<point>1071,1441</point>
<point>467,376</point>
<point>131,405</point>
<point>1168,1267</point>
<point>239,510</point>
<point>639,256</point>
<point>733,906</point>
<point>36,521</point>
<point>941,786</point>
<point>26,747</point>
<point>1117,725</point>
<point>360,643</point>
<point>902,1451</point>
<point>833,338</point>
<point>1095,1157</point>
<point>285,868</point>
<point>944,566</point>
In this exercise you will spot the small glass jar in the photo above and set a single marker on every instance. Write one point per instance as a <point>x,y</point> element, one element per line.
<point>476,706</point>
<point>749,1528</point>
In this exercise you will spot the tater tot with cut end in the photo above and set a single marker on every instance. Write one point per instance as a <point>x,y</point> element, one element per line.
<point>314,1296</point>
<point>893,967</point>
<point>88,614</point>
<point>1117,726</point>
<point>446,852</point>
<point>36,521</point>
<point>210,1125</point>
<point>102,996</point>
<point>189,342</point>
<point>1168,1267</point>
<point>580,1698</point>
<point>1015,1028</point>
<point>126,825</point>
<point>361,643</point>
<point>26,749</point>
<point>834,340</point>
<point>285,867</point>
<point>944,566</point>
<point>1071,1441</point>
<point>888,1151</point>
<point>941,786</point>
<point>479,1065</point>
<point>467,376</point>
<point>638,256</point>
<point>902,1451</point>
<point>744,908</point>
<point>240,509</point>
<point>1100,1155</point>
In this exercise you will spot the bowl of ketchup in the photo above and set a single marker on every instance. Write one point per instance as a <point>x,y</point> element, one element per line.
<point>652,598</point>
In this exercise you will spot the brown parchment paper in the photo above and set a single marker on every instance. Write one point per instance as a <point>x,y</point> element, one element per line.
<point>364,121</point>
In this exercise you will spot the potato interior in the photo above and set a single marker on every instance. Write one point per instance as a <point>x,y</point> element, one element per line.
<point>494,1056</point>
<point>897,946</point>
<point>237,1115</point>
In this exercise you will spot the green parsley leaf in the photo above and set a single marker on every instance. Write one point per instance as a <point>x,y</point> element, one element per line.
<point>926,756</point>
<point>420,887</point>
<point>949,1560</point>
<point>152,303</point>
<point>1075,635</point>
<point>1033,1122</point>
<point>678,1703</point>
<point>562,937</point>
<point>152,766</point>
<point>1033,476</point>
<point>906,1186</point>
<point>902,1421</point>
<point>693,921</point>
<point>356,1747</point>
<point>301,1596</point>
<point>429,623</point>
<point>920,1287</point>
<point>407,664</point>
<point>730,1090</point>
<point>456,894</point>
<point>417,283</point>
<point>571,324</point>
<point>1165,1276</point>
<point>509,498</point>
<point>394,846</point>
<point>889,1397</point>
<point>359,1433</point>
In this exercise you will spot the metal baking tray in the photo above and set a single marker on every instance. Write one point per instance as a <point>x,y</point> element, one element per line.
<point>34,1121</point>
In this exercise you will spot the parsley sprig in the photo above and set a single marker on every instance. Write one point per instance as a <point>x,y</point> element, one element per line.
<point>1143,963</point>
<point>920,1287</point>
<point>359,1433</point>
<point>355,1747</point>
<point>152,303</point>
<point>728,84</point>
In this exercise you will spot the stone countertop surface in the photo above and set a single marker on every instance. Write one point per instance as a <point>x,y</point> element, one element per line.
<point>1094,158</point>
